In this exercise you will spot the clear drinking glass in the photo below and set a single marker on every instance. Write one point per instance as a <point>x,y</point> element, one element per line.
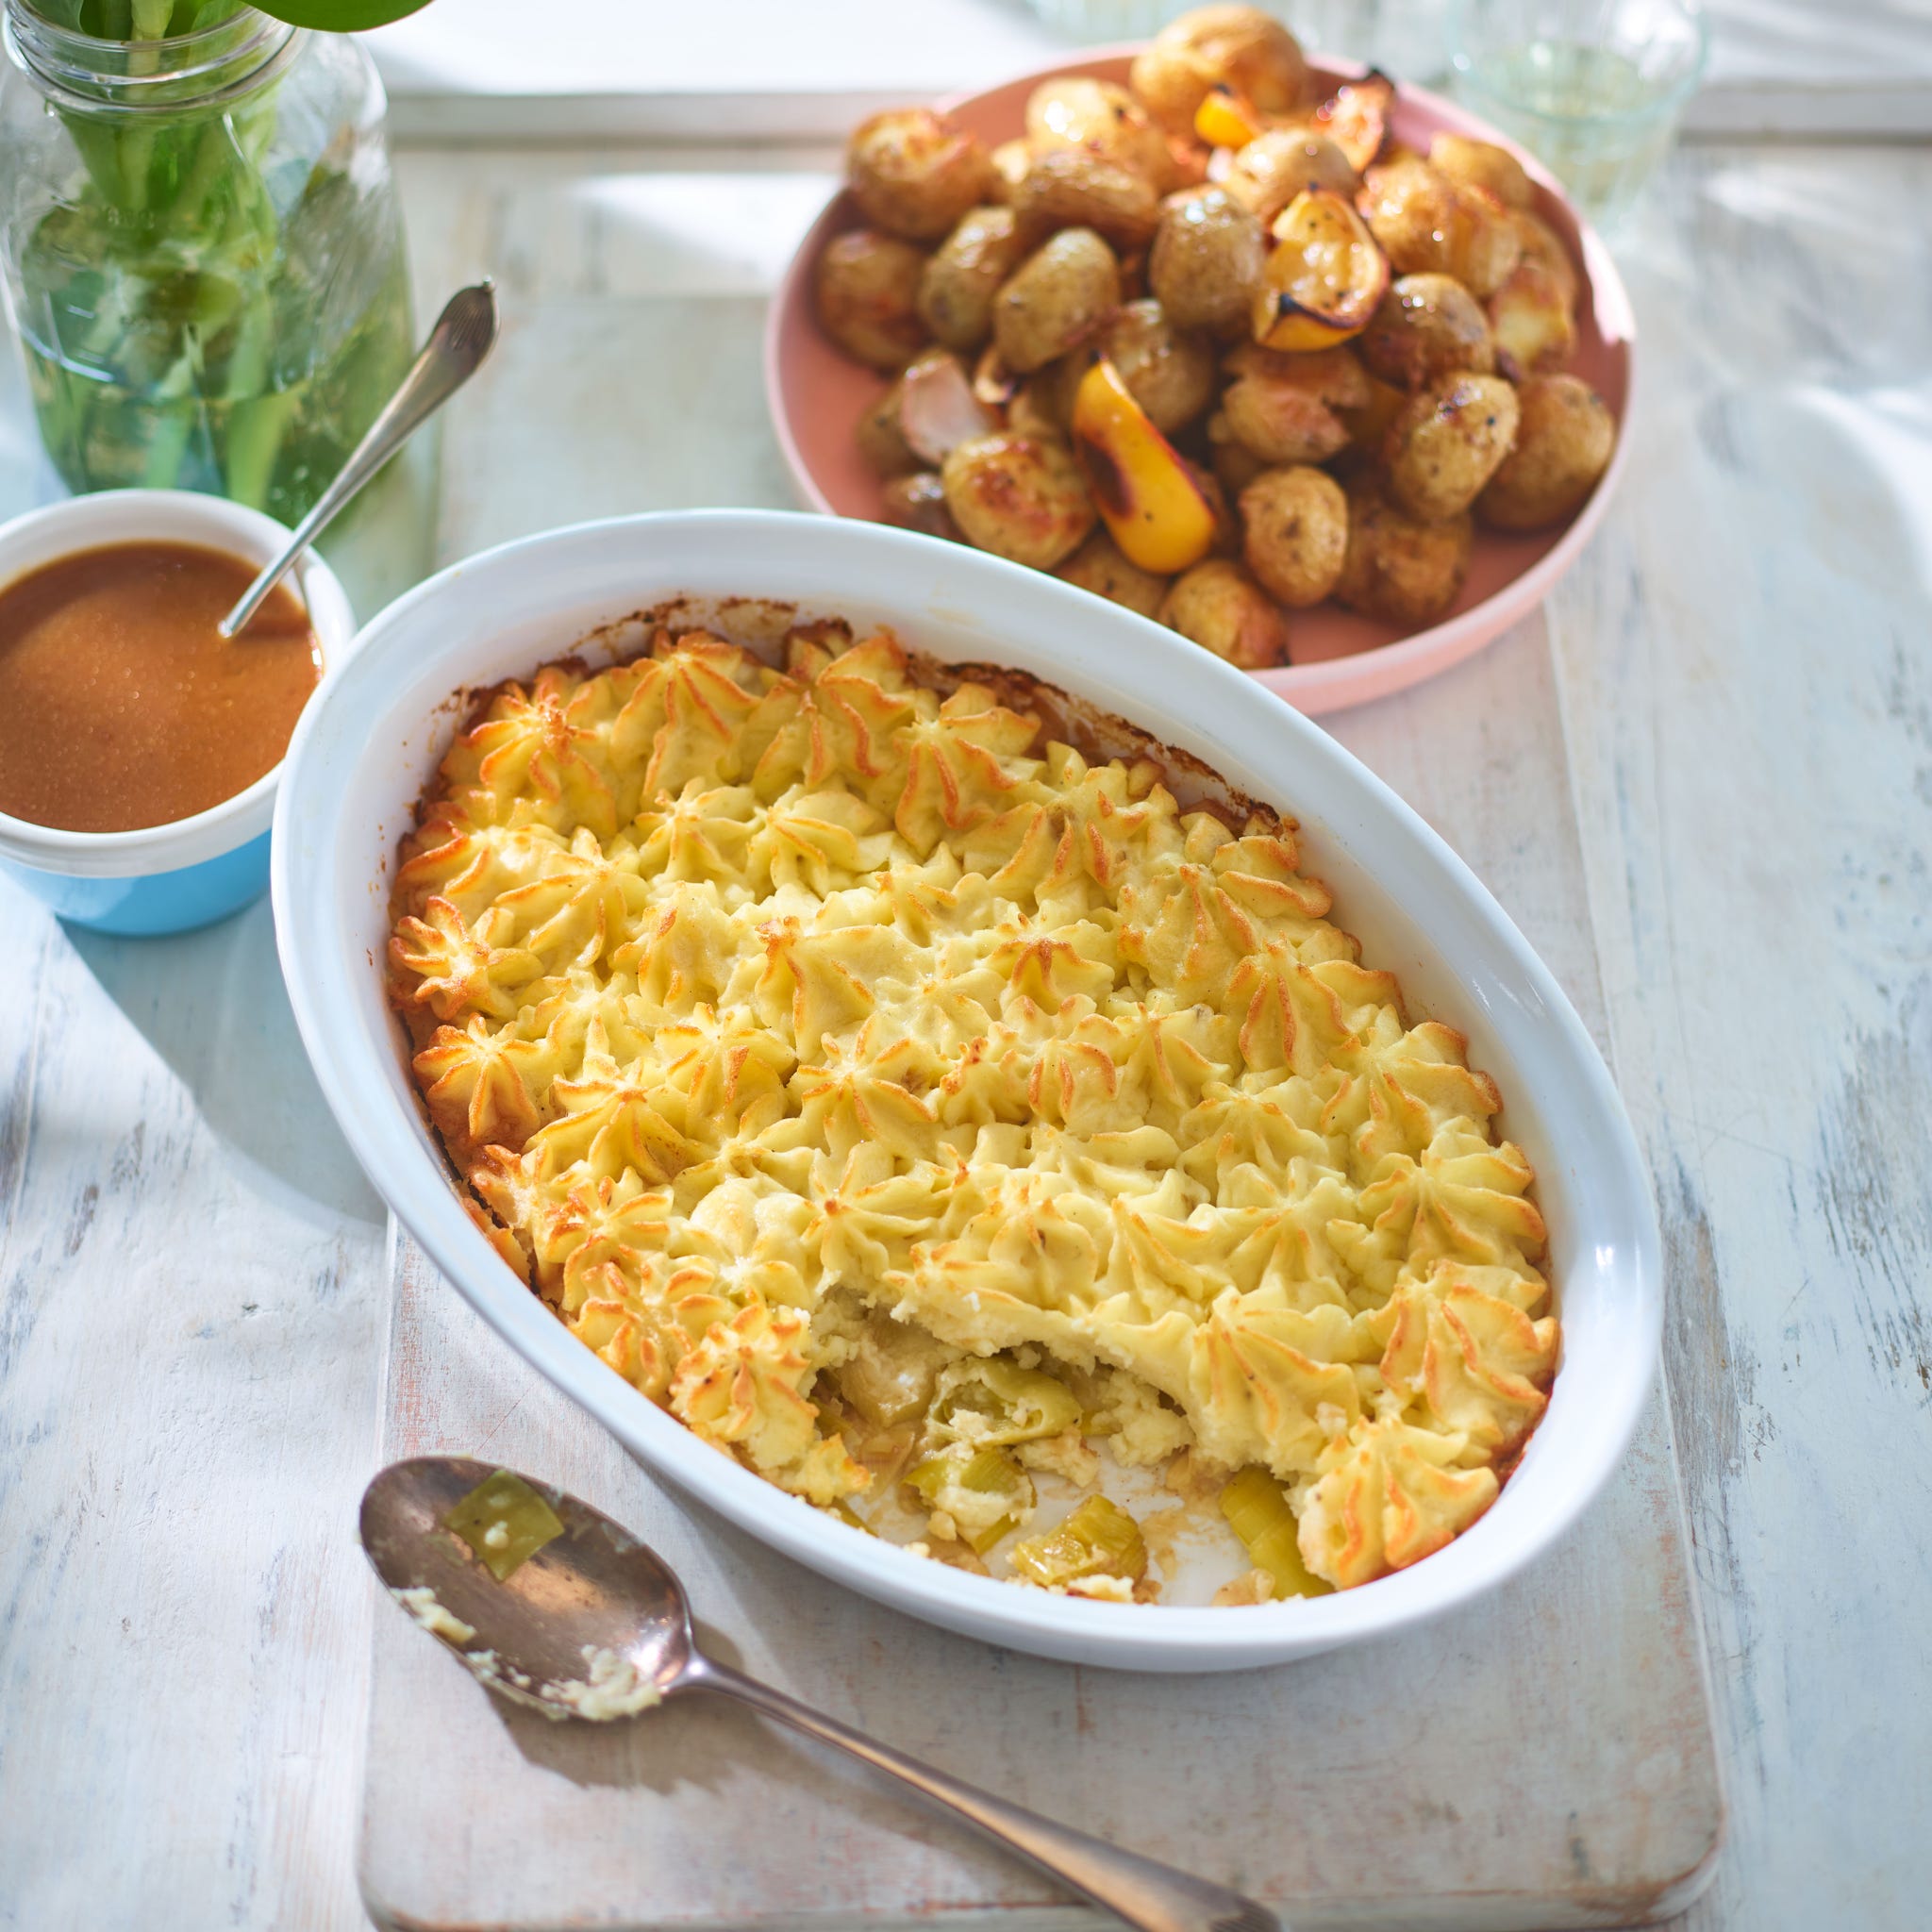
<point>1405,37</point>
<point>1595,88</point>
<point>1104,22</point>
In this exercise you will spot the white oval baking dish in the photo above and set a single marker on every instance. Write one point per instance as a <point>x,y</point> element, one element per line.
<point>365,748</point>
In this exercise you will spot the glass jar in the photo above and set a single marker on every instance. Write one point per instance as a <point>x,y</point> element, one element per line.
<point>202,252</point>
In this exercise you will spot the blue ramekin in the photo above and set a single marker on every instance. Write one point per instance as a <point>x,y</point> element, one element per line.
<point>190,872</point>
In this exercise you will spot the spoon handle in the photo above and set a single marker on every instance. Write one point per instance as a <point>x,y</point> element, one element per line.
<point>1151,1896</point>
<point>456,346</point>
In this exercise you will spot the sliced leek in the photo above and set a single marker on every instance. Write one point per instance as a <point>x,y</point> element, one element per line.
<point>1099,1538</point>
<point>982,1489</point>
<point>505,1520</point>
<point>1257,1508</point>
<point>889,1377</point>
<point>997,1401</point>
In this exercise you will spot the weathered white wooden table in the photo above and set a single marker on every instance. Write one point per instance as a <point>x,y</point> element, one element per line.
<point>1731,703</point>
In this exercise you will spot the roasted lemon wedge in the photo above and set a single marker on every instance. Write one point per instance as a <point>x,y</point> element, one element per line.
<point>1153,504</point>
<point>1226,119</point>
<point>1325,277</point>
<point>1356,119</point>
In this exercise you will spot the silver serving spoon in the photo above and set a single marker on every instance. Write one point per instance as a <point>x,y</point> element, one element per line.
<point>596,1590</point>
<point>455,348</point>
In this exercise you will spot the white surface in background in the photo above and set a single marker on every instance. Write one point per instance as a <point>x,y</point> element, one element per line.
<point>596,69</point>
<point>191,1274</point>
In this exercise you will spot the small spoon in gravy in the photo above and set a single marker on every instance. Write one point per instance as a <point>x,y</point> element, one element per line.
<point>453,353</point>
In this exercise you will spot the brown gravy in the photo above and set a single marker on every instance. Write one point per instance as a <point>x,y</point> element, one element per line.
<point>121,704</point>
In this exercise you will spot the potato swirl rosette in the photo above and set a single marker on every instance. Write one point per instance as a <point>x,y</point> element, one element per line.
<point>926,1113</point>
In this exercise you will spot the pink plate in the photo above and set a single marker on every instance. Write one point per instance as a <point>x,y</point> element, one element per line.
<point>816,398</point>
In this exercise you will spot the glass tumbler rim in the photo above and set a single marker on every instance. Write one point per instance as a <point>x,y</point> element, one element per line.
<point>1471,72</point>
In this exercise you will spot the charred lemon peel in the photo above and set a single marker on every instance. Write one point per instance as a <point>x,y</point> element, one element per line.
<point>1325,277</point>
<point>879,1086</point>
<point>1151,501</point>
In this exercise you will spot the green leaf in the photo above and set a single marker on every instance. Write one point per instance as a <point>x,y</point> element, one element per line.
<point>339,16</point>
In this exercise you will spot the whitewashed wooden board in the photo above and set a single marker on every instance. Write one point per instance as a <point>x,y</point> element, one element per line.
<point>1542,1760</point>
<point>764,70</point>
<point>192,1299</point>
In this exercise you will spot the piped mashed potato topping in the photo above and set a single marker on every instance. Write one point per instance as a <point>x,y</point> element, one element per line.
<point>892,1093</point>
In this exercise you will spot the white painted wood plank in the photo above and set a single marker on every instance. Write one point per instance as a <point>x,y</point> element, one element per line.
<point>1505,1819</point>
<point>1319,1787</point>
<point>190,1272</point>
<point>1747,695</point>
<point>763,70</point>
<point>1742,671</point>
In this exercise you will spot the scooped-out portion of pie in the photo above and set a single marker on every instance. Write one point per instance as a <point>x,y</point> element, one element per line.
<point>935,1118</point>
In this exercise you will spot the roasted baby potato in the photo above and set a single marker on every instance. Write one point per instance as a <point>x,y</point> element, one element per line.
<point>1238,47</point>
<point>1207,261</point>
<point>1427,326</point>
<point>1043,403</point>
<point>1482,164</point>
<point>1448,442</point>
<point>1295,525</point>
<point>1172,376</point>
<point>1227,540</point>
<point>866,286</point>
<point>1530,318</point>
<point>1099,117</point>
<point>1059,296</point>
<point>1564,441</point>
<point>1235,466</point>
<point>917,502</point>
<point>1018,496</point>
<point>1099,566</point>
<point>958,283</point>
<point>1010,161</point>
<point>882,441</point>
<point>1370,421</point>
<point>1286,408</point>
<point>1266,174</point>
<point>1038,408</point>
<point>1398,568</point>
<point>914,173</point>
<point>1542,245</point>
<point>1068,188</point>
<point>1219,606</point>
<point>1429,224</point>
